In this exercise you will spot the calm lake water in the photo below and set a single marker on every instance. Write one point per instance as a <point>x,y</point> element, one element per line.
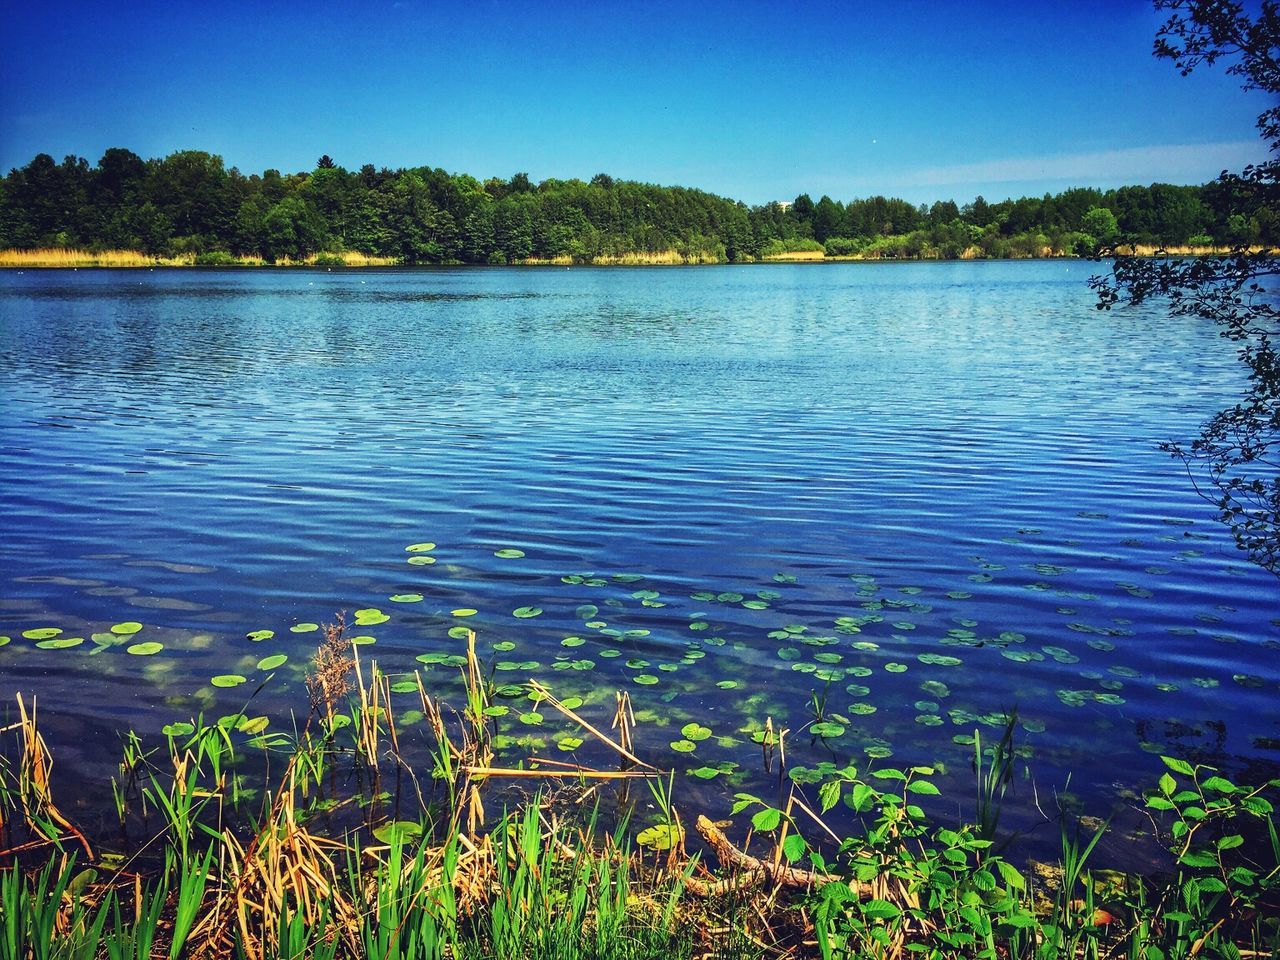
<point>924,493</point>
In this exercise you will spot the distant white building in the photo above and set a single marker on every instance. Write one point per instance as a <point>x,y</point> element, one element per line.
<point>783,205</point>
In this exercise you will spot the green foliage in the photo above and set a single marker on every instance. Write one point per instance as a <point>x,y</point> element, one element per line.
<point>188,202</point>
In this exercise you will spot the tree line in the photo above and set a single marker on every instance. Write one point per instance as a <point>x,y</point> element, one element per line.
<point>190,203</point>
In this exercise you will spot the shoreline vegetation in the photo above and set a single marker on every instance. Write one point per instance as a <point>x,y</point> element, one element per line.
<point>354,836</point>
<point>189,208</point>
<point>61,258</point>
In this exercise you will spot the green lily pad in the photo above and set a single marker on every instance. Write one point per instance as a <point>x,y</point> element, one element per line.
<point>419,547</point>
<point>179,729</point>
<point>421,560</point>
<point>463,612</point>
<point>60,643</point>
<point>399,831</point>
<point>146,649</point>
<point>370,616</point>
<point>306,627</point>
<point>127,628</point>
<point>227,680</point>
<point>406,598</point>
<point>526,613</point>
<point>273,661</point>
<point>259,635</point>
<point>41,633</point>
<point>695,732</point>
<point>663,836</point>
<point>508,553</point>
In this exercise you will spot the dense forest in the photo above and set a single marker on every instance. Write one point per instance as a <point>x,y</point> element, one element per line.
<point>190,203</point>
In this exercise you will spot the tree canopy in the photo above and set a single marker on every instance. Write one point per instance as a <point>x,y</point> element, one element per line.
<point>190,202</point>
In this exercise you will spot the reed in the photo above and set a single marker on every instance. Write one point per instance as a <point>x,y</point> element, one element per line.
<point>60,257</point>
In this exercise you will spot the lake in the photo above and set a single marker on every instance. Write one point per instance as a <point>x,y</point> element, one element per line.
<point>906,497</point>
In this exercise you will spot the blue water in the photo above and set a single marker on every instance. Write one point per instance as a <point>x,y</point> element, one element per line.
<point>955,451</point>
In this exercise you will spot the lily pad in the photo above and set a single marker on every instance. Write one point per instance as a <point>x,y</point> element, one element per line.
<point>128,628</point>
<point>419,547</point>
<point>306,627</point>
<point>463,612</point>
<point>60,643</point>
<point>526,613</point>
<point>406,598</point>
<point>41,633</point>
<point>259,635</point>
<point>146,649</point>
<point>227,680</point>
<point>508,553</point>
<point>273,661</point>
<point>663,836</point>
<point>399,831</point>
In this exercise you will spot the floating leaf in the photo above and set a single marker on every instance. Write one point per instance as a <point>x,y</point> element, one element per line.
<point>370,616</point>
<point>227,680</point>
<point>128,628</point>
<point>60,643</point>
<point>683,746</point>
<point>307,627</point>
<point>827,729</point>
<point>695,732</point>
<point>178,729</point>
<point>663,836</point>
<point>406,598</point>
<point>508,553</point>
<point>146,649</point>
<point>259,635</point>
<point>419,547</point>
<point>421,560</point>
<point>525,613</point>
<point>463,612</point>
<point>41,633</point>
<point>399,832</point>
<point>273,661</point>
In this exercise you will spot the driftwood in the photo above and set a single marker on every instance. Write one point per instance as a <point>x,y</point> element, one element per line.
<point>749,870</point>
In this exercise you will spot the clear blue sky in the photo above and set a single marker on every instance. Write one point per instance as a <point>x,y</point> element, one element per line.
<point>757,101</point>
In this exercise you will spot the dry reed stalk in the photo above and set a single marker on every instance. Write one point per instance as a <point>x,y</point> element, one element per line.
<point>547,695</point>
<point>328,682</point>
<point>285,867</point>
<point>35,792</point>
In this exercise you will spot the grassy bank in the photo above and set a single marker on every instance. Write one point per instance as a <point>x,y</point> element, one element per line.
<point>791,252</point>
<point>58,257</point>
<point>329,840</point>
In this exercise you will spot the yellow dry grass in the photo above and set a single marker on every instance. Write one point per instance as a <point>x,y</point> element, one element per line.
<point>795,256</point>
<point>657,258</point>
<point>70,257</point>
<point>60,257</point>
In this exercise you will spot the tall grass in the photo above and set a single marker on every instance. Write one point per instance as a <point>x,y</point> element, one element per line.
<point>59,257</point>
<point>64,257</point>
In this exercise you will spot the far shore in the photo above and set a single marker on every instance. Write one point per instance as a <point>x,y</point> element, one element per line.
<point>54,258</point>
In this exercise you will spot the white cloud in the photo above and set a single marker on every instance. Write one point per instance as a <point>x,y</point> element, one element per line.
<point>1177,163</point>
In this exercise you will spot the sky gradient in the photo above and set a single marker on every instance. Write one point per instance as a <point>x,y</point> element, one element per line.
<point>757,101</point>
